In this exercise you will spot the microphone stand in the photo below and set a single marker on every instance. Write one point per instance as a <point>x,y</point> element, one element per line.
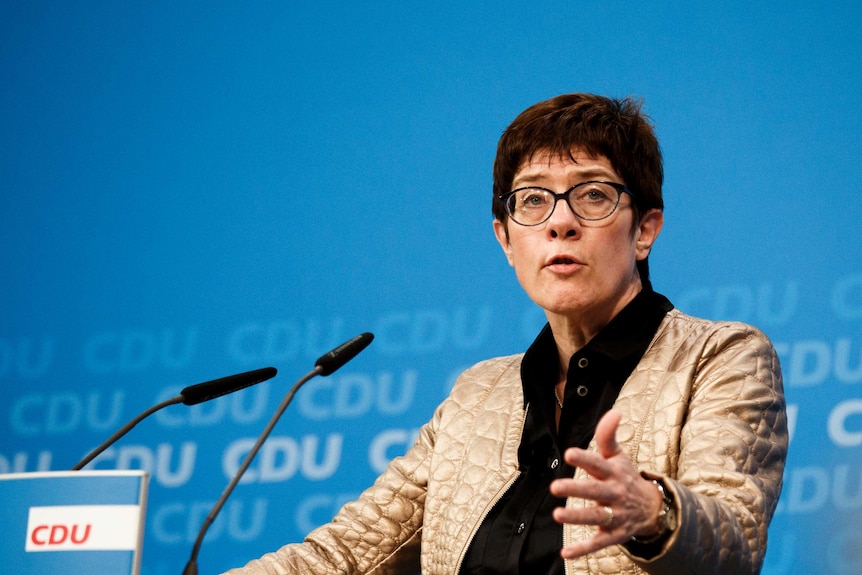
<point>190,395</point>
<point>192,565</point>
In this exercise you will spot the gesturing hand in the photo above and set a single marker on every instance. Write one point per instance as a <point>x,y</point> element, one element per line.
<point>626,503</point>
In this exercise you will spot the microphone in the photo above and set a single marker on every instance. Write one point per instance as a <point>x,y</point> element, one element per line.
<point>201,392</point>
<point>329,362</point>
<point>325,365</point>
<point>191,395</point>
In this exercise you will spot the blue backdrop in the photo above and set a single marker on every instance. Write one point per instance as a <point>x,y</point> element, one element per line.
<point>195,189</point>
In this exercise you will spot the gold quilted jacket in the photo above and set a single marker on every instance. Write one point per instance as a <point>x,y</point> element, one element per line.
<point>704,410</point>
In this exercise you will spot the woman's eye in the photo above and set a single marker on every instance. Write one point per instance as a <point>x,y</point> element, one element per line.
<point>594,195</point>
<point>533,199</point>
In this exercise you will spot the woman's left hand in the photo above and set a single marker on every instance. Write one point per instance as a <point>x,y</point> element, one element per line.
<point>626,503</point>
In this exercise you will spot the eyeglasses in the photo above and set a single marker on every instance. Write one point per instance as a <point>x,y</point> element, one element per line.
<point>588,200</point>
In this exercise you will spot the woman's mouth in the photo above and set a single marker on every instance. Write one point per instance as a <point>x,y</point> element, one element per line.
<point>564,264</point>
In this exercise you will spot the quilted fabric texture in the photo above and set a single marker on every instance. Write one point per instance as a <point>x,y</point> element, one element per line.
<point>704,410</point>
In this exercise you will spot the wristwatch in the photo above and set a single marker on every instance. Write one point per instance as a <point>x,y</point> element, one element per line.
<point>666,517</point>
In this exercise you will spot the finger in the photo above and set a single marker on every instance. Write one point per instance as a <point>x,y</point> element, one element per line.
<point>593,463</point>
<point>582,489</point>
<point>600,540</point>
<point>597,516</point>
<point>606,434</point>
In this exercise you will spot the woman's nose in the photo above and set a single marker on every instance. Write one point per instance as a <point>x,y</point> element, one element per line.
<point>563,221</point>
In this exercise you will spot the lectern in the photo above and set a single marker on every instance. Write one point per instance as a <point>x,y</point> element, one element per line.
<point>73,522</point>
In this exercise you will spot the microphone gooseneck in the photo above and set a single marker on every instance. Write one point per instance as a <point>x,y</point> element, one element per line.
<point>191,395</point>
<point>325,365</point>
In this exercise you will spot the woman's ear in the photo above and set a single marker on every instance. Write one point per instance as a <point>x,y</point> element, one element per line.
<point>503,239</point>
<point>647,232</point>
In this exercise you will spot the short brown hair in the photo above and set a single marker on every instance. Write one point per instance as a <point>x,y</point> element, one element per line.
<point>615,129</point>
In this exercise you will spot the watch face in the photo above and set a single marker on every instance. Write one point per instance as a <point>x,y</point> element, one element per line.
<point>669,517</point>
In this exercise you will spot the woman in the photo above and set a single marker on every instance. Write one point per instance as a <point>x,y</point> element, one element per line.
<point>629,437</point>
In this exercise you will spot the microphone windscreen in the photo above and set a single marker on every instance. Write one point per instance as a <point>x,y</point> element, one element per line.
<point>333,360</point>
<point>208,390</point>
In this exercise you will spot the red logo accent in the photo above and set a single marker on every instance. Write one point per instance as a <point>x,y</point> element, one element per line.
<point>59,534</point>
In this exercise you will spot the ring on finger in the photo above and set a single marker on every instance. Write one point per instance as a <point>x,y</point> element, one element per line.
<point>609,516</point>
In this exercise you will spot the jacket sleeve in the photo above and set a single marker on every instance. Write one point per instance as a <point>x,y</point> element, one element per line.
<point>378,533</point>
<point>732,448</point>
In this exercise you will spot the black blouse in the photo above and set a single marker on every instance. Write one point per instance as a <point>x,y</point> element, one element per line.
<point>519,535</point>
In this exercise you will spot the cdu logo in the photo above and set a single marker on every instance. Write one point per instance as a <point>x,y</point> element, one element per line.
<point>54,535</point>
<point>83,528</point>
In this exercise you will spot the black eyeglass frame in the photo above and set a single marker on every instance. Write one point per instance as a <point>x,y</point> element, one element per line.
<point>620,188</point>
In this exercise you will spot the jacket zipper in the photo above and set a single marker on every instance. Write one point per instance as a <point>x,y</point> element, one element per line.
<point>500,493</point>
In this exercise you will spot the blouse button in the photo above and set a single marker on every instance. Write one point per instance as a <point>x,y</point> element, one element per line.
<point>582,390</point>
<point>583,362</point>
